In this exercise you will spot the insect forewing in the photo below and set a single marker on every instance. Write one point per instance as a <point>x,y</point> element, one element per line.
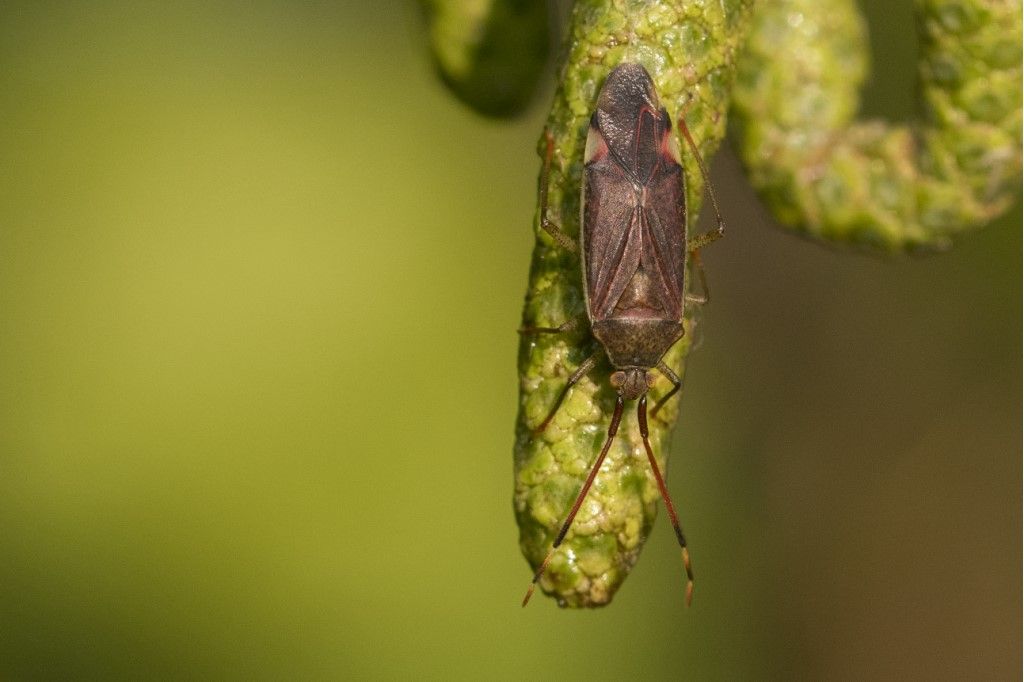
<point>611,222</point>
<point>634,213</point>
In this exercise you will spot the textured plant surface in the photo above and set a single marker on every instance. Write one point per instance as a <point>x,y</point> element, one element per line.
<point>689,49</point>
<point>790,70</point>
<point>887,186</point>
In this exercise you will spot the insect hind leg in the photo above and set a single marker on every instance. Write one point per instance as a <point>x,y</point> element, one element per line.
<point>560,237</point>
<point>701,240</point>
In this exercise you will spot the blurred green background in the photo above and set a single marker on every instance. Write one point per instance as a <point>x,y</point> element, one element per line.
<point>260,276</point>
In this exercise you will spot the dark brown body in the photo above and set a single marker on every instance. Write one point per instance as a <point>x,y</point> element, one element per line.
<point>633,251</point>
<point>633,236</point>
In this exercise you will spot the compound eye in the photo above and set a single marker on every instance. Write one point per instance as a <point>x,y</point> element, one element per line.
<point>617,379</point>
<point>650,379</point>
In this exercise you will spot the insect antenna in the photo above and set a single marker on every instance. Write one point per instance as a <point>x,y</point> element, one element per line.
<point>641,414</point>
<point>613,428</point>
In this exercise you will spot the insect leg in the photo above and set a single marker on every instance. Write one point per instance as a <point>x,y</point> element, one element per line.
<point>677,383</point>
<point>613,428</point>
<point>705,295</point>
<point>570,326</point>
<point>702,240</point>
<point>551,228</point>
<point>641,413</point>
<point>585,367</point>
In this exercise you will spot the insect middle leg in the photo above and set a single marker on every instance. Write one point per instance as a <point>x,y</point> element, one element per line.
<point>705,292</point>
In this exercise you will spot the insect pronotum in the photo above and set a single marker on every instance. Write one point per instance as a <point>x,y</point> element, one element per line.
<point>633,249</point>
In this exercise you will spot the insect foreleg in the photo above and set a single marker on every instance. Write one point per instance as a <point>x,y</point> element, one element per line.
<point>563,240</point>
<point>569,326</point>
<point>676,385</point>
<point>584,367</point>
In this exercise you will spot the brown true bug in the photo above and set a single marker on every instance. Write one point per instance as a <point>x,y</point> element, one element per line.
<point>633,246</point>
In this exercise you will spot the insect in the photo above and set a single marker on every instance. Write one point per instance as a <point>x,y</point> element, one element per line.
<point>633,247</point>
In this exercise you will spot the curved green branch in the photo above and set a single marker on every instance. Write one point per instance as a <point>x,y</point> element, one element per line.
<point>489,52</point>
<point>891,187</point>
<point>689,49</point>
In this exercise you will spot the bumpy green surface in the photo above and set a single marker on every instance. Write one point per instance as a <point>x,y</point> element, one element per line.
<point>794,97</point>
<point>894,188</point>
<point>689,49</point>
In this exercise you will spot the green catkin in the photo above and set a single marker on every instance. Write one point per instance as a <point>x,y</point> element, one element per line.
<point>791,71</point>
<point>689,49</point>
<point>889,187</point>
<point>489,52</point>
